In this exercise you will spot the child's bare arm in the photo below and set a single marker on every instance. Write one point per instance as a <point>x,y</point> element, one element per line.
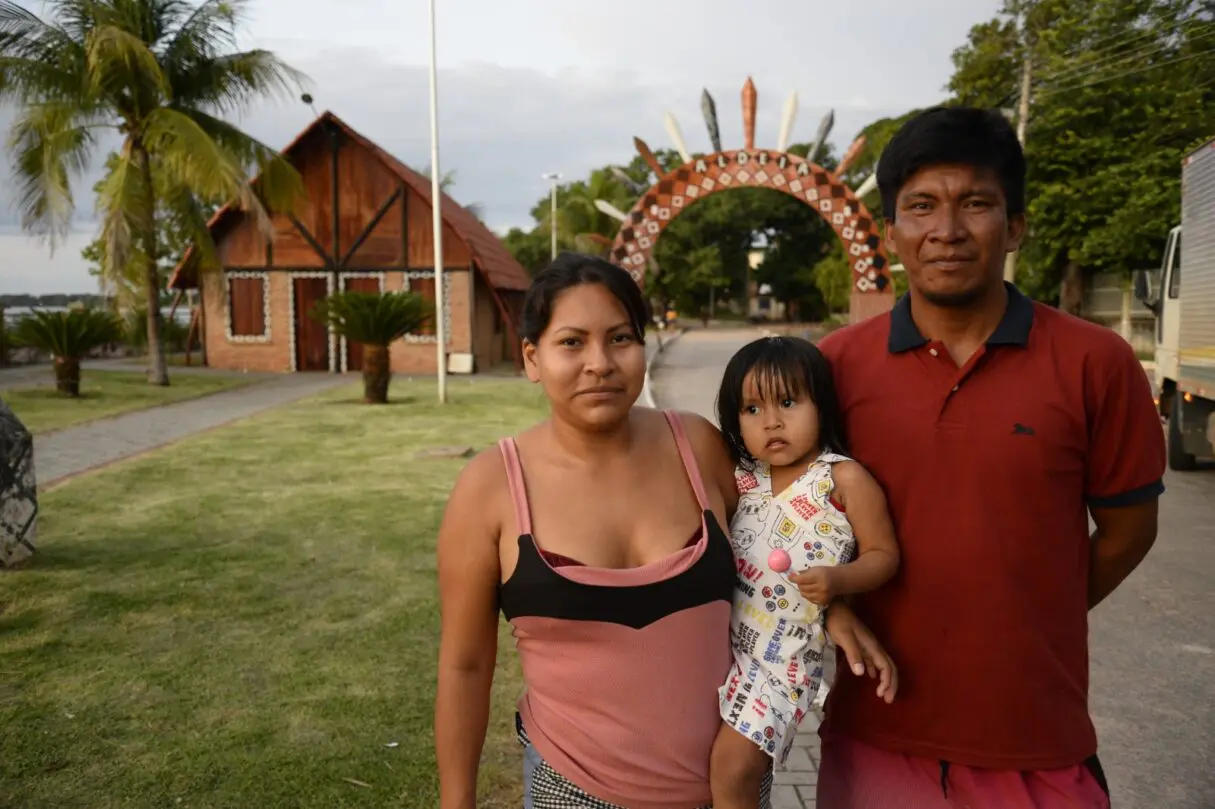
<point>877,551</point>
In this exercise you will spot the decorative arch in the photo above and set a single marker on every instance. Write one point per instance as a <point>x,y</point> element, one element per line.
<point>697,178</point>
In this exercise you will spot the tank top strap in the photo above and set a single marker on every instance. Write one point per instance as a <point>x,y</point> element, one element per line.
<point>518,489</point>
<point>688,457</point>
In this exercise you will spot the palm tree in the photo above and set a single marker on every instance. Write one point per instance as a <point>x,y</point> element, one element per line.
<point>68,337</point>
<point>579,223</point>
<point>160,73</point>
<point>375,320</point>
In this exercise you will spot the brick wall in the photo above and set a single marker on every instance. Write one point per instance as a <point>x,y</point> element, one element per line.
<point>274,354</point>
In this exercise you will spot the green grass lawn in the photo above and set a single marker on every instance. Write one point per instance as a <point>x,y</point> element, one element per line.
<point>104,394</point>
<point>249,618</point>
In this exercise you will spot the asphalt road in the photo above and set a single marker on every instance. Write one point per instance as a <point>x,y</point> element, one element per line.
<point>1152,643</point>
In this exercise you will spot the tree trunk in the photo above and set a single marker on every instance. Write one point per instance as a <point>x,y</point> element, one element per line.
<point>67,375</point>
<point>376,374</point>
<point>1071,289</point>
<point>158,367</point>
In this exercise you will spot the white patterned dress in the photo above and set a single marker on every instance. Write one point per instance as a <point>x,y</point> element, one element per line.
<point>778,636</point>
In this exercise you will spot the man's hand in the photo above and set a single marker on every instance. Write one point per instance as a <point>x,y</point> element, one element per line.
<point>865,655</point>
<point>817,584</point>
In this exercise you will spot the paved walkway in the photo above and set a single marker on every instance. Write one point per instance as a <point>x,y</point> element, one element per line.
<point>43,373</point>
<point>686,377</point>
<point>687,374</point>
<point>78,449</point>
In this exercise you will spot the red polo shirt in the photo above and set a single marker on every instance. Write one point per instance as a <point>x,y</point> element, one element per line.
<point>989,470</point>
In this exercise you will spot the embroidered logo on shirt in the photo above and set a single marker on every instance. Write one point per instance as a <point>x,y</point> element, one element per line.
<point>1022,429</point>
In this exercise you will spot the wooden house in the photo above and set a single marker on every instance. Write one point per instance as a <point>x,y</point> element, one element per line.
<point>365,224</point>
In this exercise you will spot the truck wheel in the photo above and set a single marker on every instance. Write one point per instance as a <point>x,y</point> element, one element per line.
<point>1179,459</point>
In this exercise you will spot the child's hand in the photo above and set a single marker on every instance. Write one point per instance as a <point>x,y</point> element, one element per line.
<point>817,584</point>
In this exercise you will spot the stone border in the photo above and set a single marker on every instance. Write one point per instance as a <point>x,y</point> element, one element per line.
<point>647,388</point>
<point>264,277</point>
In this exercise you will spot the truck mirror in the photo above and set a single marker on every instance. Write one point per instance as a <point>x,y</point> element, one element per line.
<point>1143,291</point>
<point>1141,286</point>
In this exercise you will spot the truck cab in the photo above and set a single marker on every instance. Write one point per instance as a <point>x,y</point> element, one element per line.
<point>1168,318</point>
<point>1184,360</point>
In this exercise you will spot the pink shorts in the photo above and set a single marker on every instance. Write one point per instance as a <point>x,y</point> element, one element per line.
<point>856,776</point>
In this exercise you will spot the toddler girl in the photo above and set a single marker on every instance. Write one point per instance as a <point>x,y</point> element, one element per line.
<point>800,499</point>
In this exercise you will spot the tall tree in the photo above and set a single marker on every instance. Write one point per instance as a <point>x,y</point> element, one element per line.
<point>160,73</point>
<point>126,286</point>
<point>1122,88</point>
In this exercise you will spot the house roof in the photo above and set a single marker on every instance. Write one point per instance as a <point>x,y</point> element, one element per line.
<point>496,263</point>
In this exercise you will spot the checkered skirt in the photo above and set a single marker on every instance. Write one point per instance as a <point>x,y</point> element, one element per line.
<point>545,788</point>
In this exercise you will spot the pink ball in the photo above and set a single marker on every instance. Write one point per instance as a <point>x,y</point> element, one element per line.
<point>779,561</point>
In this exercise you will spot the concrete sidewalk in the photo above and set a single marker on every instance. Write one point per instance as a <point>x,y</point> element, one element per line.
<point>42,374</point>
<point>687,373</point>
<point>74,450</point>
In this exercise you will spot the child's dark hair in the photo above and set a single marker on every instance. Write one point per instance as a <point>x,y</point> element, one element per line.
<point>574,269</point>
<point>783,366</point>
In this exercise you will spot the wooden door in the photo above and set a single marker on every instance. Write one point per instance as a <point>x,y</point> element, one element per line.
<point>311,336</point>
<point>354,351</point>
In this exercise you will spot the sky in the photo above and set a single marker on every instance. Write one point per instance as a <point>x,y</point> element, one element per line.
<point>534,86</point>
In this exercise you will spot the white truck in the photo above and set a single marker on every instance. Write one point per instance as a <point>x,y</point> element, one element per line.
<point>1182,297</point>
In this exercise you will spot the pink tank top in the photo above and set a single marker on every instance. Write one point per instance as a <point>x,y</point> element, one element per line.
<point>622,666</point>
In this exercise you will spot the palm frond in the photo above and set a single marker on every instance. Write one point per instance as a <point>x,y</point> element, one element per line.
<point>52,143</point>
<point>279,186</point>
<point>190,156</point>
<point>70,334</point>
<point>374,318</point>
<point>207,29</point>
<point>76,17</point>
<point>22,32</point>
<point>119,62</point>
<point>123,200</point>
<point>229,83</point>
<point>38,61</point>
<point>184,205</point>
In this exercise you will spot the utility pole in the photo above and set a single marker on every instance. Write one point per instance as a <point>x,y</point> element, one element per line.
<point>553,177</point>
<point>1027,74</point>
<point>436,204</point>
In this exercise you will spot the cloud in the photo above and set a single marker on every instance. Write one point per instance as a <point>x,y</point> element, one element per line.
<point>549,85</point>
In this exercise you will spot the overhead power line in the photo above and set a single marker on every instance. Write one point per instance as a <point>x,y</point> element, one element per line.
<point>1053,90</point>
<point>1144,50</point>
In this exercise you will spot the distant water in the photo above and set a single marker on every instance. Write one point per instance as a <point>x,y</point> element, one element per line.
<point>14,313</point>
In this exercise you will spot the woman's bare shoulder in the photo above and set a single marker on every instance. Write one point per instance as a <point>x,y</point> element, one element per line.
<point>703,434</point>
<point>482,478</point>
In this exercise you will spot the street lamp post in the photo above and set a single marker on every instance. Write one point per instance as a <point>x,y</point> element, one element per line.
<point>436,198</point>
<point>553,177</point>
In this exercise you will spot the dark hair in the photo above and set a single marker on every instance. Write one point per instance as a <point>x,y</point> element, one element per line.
<point>967,135</point>
<point>782,366</point>
<point>574,269</point>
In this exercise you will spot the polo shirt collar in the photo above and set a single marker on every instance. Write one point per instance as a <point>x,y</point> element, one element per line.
<point>1013,329</point>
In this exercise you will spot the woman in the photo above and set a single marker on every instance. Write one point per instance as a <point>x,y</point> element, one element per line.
<point>598,533</point>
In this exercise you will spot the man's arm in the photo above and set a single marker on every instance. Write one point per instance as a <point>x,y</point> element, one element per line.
<point>1126,462</point>
<point>1122,540</point>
